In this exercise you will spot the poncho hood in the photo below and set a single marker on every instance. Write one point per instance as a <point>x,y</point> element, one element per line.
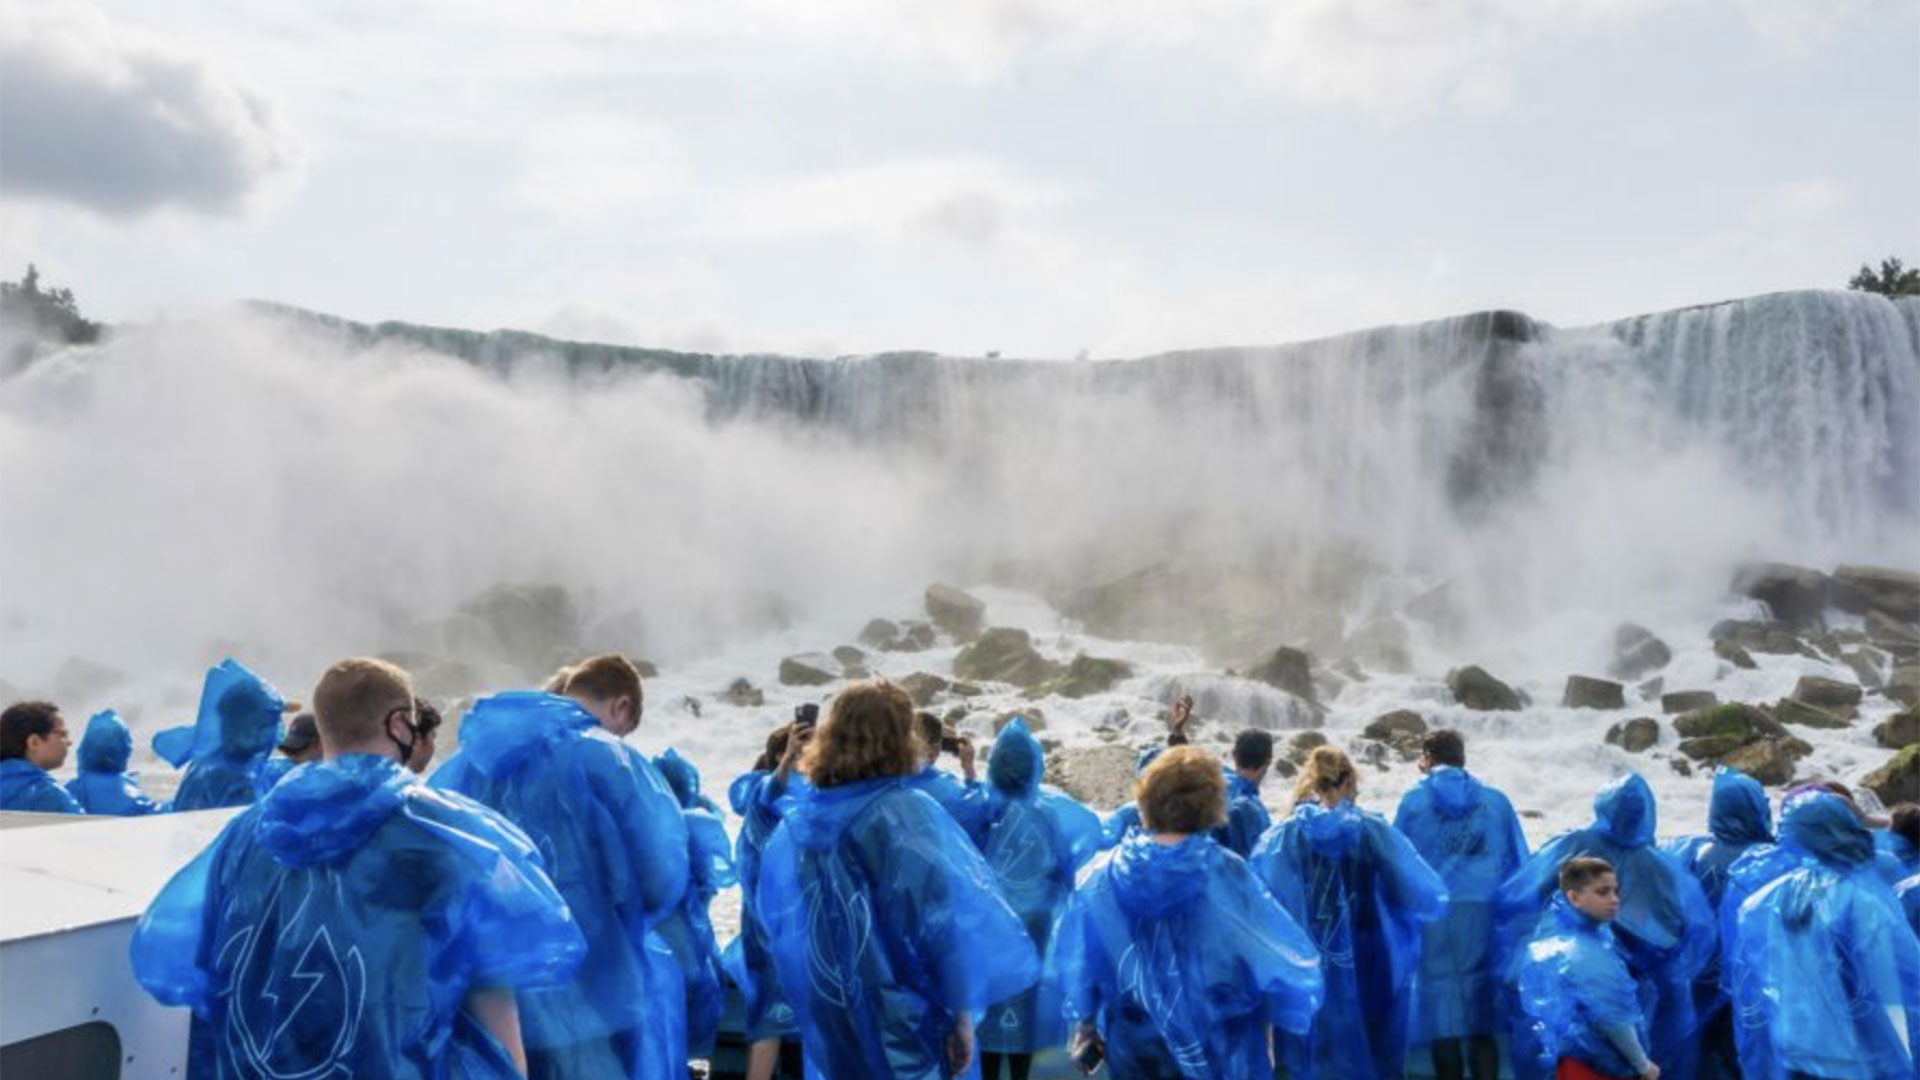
<point>1824,826</point>
<point>325,810</point>
<point>1739,813</point>
<point>1624,810</point>
<point>1153,880</point>
<point>17,775</point>
<point>503,730</point>
<point>1017,762</point>
<point>684,779</point>
<point>107,746</point>
<point>1455,793</point>
<point>1333,833</point>
<point>239,714</point>
<point>819,820</point>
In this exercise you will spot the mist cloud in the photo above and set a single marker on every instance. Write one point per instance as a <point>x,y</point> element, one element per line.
<point>123,125</point>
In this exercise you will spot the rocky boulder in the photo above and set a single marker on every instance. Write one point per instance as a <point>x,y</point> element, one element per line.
<point>1770,761</point>
<point>1743,737</point>
<point>922,687</point>
<point>955,611</point>
<point>1826,693</point>
<point>1801,714</point>
<point>1584,692</point>
<point>916,636</point>
<point>1858,589</point>
<point>882,634</point>
<point>1099,776</point>
<point>1734,653</point>
<point>1903,685</point>
<point>1086,676</point>
<point>1684,701</point>
<point>1898,780</point>
<point>1400,729</point>
<point>1893,635</point>
<point>1304,744</point>
<point>1005,654</point>
<point>1635,736</point>
<point>1474,688</point>
<point>1899,731</point>
<point>1794,594</point>
<point>809,669</point>
<point>1637,652</point>
<point>1759,637</point>
<point>743,694</point>
<point>1287,669</point>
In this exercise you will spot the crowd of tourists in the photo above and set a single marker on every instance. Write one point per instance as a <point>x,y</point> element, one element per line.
<point>538,904</point>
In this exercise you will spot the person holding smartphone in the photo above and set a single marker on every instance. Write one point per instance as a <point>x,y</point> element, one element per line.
<point>967,802</point>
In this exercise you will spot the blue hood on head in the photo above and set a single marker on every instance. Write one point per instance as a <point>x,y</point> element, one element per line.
<point>1824,826</point>
<point>325,810</point>
<point>1017,761</point>
<point>239,714</point>
<point>1455,794</point>
<point>818,820</point>
<point>1332,833</point>
<point>1739,813</point>
<point>107,745</point>
<point>682,777</point>
<point>1625,811</point>
<point>1152,880</point>
<point>502,730</point>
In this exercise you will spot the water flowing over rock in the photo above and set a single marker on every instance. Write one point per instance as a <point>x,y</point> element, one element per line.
<point>1586,692</point>
<point>1288,669</point>
<point>1474,688</point>
<point>1004,654</point>
<point>1637,652</point>
<point>1858,589</point>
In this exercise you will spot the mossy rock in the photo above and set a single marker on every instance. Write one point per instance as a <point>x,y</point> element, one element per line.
<point>1770,761</point>
<point>1586,692</point>
<point>1635,736</point>
<point>1005,654</point>
<point>1898,780</point>
<point>1473,687</point>
<point>1712,747</point>
<point>1899,731</point>
<point>1734,718</point>
<point>1086,676</point>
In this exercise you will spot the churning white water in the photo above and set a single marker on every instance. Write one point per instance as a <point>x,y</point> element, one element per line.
<point>1486,489</point>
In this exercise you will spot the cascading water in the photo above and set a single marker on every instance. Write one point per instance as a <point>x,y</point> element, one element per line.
<point>1486,488</point>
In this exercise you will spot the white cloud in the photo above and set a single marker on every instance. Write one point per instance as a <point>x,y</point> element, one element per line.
<point>593,165</point>
<point>121,123</point>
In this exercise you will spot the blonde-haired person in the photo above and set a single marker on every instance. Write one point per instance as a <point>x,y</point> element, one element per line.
<point>887,934</point>
<point>1362,891</point>
<point>1170,958</point>
<point>356,923</point>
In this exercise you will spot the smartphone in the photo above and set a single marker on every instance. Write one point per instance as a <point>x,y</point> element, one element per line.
<point>806,715</point>
<point>1090,1056</point>
<point>950,744</point>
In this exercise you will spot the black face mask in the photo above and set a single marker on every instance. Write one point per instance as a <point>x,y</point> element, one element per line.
<point>406,748</point>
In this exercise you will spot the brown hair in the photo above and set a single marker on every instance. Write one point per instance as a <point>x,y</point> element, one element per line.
<point>931,732</point>
<point>557,682</point>
<point>22,721</point>
<point>1328,769</point>
<point>1581,871</point>
<point>775,749</point>
<point>1183,791</point>
<point>354,698</point>
<point>604,678</point>
<point>1904,820</point>
<point>1445,747</point>
<point>868,732</point>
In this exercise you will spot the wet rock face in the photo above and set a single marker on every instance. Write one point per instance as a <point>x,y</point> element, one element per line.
<point>809,669</point>
<point>1584,692</point>
<point>1684,701</point>
<point>1859,589</point>
<point>1903,685</point>
<point>1744,737</point>
<point>1637,652</point>
<point>1004,654</point>
<point>1826,693</point>
<point>882,634</point>
<point>1401,729</point>
<point>1898,780</point>
<point>1801,714</point>
<point>1900,730</point>
<point>1473,687</point>
<point>1795,594</point>
<point>1087,675</point>
<point>1734,653</point>
<point>1635,736</point>
<point>923,687</point>
<point>957,612</point>
<point>1288,669</point>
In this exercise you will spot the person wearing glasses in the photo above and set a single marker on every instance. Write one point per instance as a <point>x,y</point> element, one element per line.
<point>354,922</point>
<point>554,765</point>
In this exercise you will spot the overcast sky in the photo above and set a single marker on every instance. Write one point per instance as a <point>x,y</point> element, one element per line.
<point>1033,176</point>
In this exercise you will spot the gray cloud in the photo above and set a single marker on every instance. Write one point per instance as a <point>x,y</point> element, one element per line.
<point>124,125</point>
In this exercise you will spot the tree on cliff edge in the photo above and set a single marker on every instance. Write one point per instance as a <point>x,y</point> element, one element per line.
<point>1893,279</point>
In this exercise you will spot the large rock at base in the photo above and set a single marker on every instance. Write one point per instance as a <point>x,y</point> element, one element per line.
<point>1734,653</point>
<point>1860,588</point>
<point>882,634</point>
<point>1742,721</point>
<point>1474,688</point>
<point>1004,654</point>
<point>1635,736</point>
<point>1399,728</point>
<point>1899,731</point>
<point>1893,635</point>
<point>1584,692</point>
<point>1770,761</point>
<point>922,687</point>
<point>955,611</point>
<point>1801,714</point>
<point>743,694</point>
<point>1288,669</point>
<point>1099,776</point>
<point>1759,637</point>
<point>809,669</point>
<point>1903,685</point>
<point>1898,780</point>
<point>1826,693</point>
<point>1637,652</point>
<point>1795,594</point>
<point>1088,675</point>
<point>532,629</point>
<point>1685,701</point>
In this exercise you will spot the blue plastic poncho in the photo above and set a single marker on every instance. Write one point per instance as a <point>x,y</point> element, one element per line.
<point>1247,817</point>
<point>684,780</point>
<point>616,845</point>
<point>1468,833</point>
<point>1126,817</point>
<point>1825,971</point>
<point>335,929</point>
<point>1572,983</point>
<point>26,786</point>
<point>1181,958</point>
<point>1037,840</point>
<point>885,926</point>
<point>762,799</point>
<point>688,931</point>
<point>238,726</point>
<point>1898,858</point>
<point>1362,892</point>
<point>1909,893</point>
<point>966,802</point>
<point>104,786</point>
<point>1665,929</point>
